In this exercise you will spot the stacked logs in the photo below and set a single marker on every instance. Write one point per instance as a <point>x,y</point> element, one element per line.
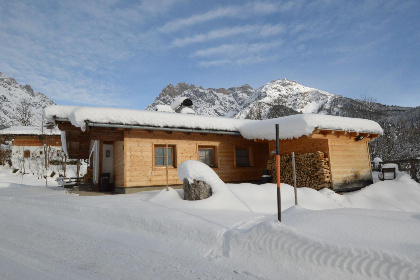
<point>88,178</point>
<point>312,170</point>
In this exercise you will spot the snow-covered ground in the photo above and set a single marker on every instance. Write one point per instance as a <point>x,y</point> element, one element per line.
<point>47,233</point>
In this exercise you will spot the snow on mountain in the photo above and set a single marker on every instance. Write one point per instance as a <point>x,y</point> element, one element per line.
<point>16,100</point>
<point>288,94</point>
<point>275,99</point>
<point>210,102</point>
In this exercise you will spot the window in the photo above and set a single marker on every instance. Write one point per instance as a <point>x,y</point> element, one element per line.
<point>160,155</point>
<point>242,158</point>
<point>206,155</point>
<point>26,154</point>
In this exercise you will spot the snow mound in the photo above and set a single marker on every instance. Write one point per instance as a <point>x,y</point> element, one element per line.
<point>376,161</point>
<point>222,198</point>
<point>192,169</point>
<point>401,194</point>
<point>390,165</point>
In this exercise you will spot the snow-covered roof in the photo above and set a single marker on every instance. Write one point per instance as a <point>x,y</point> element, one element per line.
<point>29,130</point>
<point>168,109</point>
<point>305,124</point>
<point>79,115</point>
<point>290,126</point>
<point>164,108</point>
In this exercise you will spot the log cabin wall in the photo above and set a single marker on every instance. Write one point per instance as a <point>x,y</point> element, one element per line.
<point>140,169</point>
<point>119,163</point>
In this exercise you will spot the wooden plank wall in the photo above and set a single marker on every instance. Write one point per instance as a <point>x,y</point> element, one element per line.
<point>32,141</point>
<point>139,158</point>
<point>349,162</point>
<point>119,163</point>
<point>301,145</point>
<point>349,159</point>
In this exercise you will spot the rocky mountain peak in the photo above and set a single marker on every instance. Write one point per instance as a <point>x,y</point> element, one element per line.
<point>211,101</point>
<point>13,96</point>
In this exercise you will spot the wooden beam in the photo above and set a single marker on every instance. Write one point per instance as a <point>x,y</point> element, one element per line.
<point>107,136</point>
<point>261,141</point>
<point>67,126</point>
<point>77,138</point>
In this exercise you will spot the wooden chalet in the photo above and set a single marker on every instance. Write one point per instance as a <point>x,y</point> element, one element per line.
<point>28,139</point>
<point>131,145</point>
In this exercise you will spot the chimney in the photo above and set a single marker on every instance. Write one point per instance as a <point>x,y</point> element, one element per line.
<point>182,105</point>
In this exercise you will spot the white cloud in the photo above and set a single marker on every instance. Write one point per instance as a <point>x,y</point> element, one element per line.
<point>213,63</point>
<point>239,54</point>
<point>251,30</point>
<point>245,11</point>
<point>215,34</point>
<point>234,50</point>
<point>195,19</point>
<point>271,29</point>
<point>68,52</point>
<point>241,61</point>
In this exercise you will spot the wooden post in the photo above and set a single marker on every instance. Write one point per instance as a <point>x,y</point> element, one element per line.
<point>278,173</point>
<point>413,170</point>
<point>64,169</point>
<point>167,179</point>
<point>294,176</point>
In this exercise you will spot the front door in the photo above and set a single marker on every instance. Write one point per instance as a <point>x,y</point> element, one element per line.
<point>108,161</point>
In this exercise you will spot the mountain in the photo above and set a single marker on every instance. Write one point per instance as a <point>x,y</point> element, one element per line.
<point>275,99</point>
<point>283,97</point>
<point>20,105</point>
<point>285,94</point>
<point>209,102</point>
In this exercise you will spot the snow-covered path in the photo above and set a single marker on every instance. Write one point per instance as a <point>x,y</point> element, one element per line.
<point>49,234</point>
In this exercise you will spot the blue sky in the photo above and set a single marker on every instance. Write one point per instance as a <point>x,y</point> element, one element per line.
<point>123,53</point>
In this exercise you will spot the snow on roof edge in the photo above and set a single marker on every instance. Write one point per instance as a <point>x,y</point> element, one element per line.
<point>293,126</point>
<point>29,130</point>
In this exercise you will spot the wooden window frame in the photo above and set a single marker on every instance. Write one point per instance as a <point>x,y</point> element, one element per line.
<point>208,147</point>
<point>174,162</point>
<point>26,154</point>
<point>248,157</point>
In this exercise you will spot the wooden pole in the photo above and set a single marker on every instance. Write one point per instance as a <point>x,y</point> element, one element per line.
<point>294,176</point>
<point>278,173</point>
<point>167,179</point>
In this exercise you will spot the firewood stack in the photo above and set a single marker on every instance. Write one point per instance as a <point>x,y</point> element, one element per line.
<point>312,170</point>
<point>88,178</point>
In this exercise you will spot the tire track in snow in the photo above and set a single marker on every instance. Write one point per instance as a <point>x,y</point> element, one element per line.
<point>278,240</point>
<point>124,219</point>
<point>274,242</point>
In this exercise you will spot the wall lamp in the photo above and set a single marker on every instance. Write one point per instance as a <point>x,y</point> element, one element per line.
<point>360,137</point>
